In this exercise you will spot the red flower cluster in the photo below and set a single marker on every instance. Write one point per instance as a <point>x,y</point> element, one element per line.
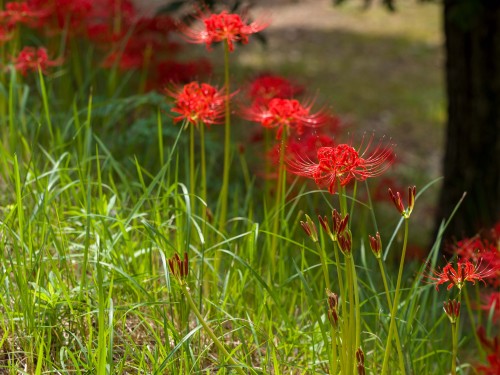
<point>222,27</point>
<point>342,163</point>
<point>285,114</point>
<point>485,248</point>
<point>197,103</point>
<point>32,59</point>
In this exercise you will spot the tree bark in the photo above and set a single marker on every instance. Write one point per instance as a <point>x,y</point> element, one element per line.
<point>472,150</point>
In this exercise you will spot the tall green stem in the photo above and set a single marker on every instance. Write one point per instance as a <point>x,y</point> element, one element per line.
<point>389,303</point>
<point>192,182</point>
<point>392,325</point>
<point>227,142</point>
<point>324,265</point>
<point>279,203</point>
<point>208,330</point>
<point>203,174</point>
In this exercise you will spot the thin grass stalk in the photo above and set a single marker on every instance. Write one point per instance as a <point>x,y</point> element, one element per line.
<point>389,304</point>
<point>45,102</point>
<point>227,142</point>
<point>392,325</point>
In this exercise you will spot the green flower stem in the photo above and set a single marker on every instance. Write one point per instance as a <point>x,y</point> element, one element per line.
<point>216,341</point>
<point>227,143</point>
<point>344,321</point>
<point>203,174</point>
<point>356,305</point>
<point>392,325</point>
<point>334,355</point>
<point>280,199</point>
<point>339,277</point>
<point>351,327</point>
<point>454,337</point>
<point>324,265</point>
<point>192,182</point>
<point>389,303</point>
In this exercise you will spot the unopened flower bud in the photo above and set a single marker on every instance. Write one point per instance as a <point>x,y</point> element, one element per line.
<point>398,202</point>
<point>179,267</point>
<point>376,245</point>
<point>345,242</point>
<point>452,309</point>
<point>326,226</point>
<point>310,228</point>
<point>360,358</point>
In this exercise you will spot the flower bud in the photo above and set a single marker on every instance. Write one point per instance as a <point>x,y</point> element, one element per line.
<point>452,309</point>
<point>179,267</point>
<point>310,228</point>
<point>376,245</point>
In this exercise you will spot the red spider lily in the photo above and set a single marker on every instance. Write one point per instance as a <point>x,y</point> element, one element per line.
<point>32,59</point>
<point>285,114</point>
<point>476,248</point>
<point>492,304</point>
<point>222,27</point>
<point>22,12</point>
<point>342,163</point>
<point>197,103</point>
<point>5,33</point>
<point>465,271</point>
<point>267,86</point>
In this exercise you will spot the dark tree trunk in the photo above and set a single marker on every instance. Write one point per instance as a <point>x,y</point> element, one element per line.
<point>472,153</point>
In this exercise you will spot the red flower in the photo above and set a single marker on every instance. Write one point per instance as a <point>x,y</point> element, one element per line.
<point>22,12</point>
<point>197,103</point>
<point>267,86</point>
<point>285,113</point>
<point>493,304</point>
<point>465,271</point>
<point>222,27</point>
<point>342,163</point>
<point>31,59</point>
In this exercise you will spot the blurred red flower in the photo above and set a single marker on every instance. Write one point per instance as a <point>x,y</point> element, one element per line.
<point>268,86</point>
<point>285,114</point>
<point>220,27</point>
<point>32,58</point>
